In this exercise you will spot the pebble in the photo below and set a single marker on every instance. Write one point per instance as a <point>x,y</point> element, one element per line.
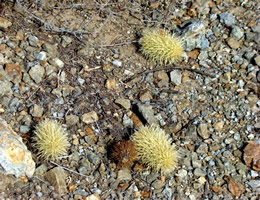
<point>257,60</point>
<point>36,110</point>
<point>255,185</point>
<point>41,56</point>
<point>15,158</point>
<point>33,41</point>
<point>198,172</point>
<point>117,63</point>
<point>66,40</point>
<point>227,18</point>
<point>51,49</point>
<point>124,175</point>
<point>56,177</point>
<point>236,33</point>
<point>148,114</point>
<point>182,173</point>
<point>125,103</point>
<point>93,158</point>
<point>176,77</point>
<point>219,126</point>
<point>72,120</point>
<point>37,73</point>
<point>203,148</point>
<point>57,62</point>
<point>93,197</point>
<point>89,117</point>
<point>145,96</point>
<point>203,130</point>
<point>233,43</point>
<point>86,51</point>
<point>4,23</point>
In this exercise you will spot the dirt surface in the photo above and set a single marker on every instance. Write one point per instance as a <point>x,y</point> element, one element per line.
<point>75,60</point>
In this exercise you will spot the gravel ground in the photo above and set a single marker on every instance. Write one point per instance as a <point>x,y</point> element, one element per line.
<point>95,82</point>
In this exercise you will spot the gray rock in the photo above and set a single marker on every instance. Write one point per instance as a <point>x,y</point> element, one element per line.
<point>86,51</point>
<point>227,18</point>
<point>14,156</point>
<point>37,73</point>
<point>200,42</point>
<point>198,172</point>
<point>255,185</point>
<point>57,62</point>
<point>148,114</point>
<point>182,173</point>
<point>52,50</point>
<point>256,29</point>
<point>41,170</point>
<point>72,120</point>
<point>236,33</point>
<point>66,40</point>
<point>56,177</point>
<point>24,129</point>
<point>41,56</point>
<point>203,148</point>
<point>33,41</point>
<point>93,158</point>
<point>194,35</point>
<point>176,77</point>
<point>117,63</point>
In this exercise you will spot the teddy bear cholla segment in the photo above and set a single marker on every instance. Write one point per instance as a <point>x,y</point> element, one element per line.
<point>154,148</point>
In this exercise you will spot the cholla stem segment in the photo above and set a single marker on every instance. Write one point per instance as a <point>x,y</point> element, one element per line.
<point>154,149</point>
<point>50,139</point>
<point>161,47</point>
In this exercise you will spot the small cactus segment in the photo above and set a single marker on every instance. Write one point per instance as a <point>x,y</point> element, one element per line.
<point>50,139</point>
<point>161,47</point>
<point>154,149</point>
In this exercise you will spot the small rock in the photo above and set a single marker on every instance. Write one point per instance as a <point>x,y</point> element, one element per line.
<point>234,44</point>
<point>124,175</point>
<point>52,50</point>
<point>182,173</point>
<point>56,177</point>
<point>93,197</point>
<point>236,33</point>
<point>257,60</point>
<point>203,131</point>
<point>234,187</point>
<point>57,62</point>
<point>66,40</point>
<point>176,77</point>
<point>14,72</point>
<point>93,158</point>
<point>33,41</point>
<point>162,77</point>
<point>41,56</point>
<point>203,148</point>
<point>255,185</point>
<point>123,102</point>
<point>14,156</point>
<point>252,155</point>
<point>198,172</point>
<point>227,18</point>
<point>111,84</point>
<point>117,63</point>
<point>36,111</point>
<point>90,117</point>
<point>86,51</point>
<point>72,120</point>
<point>219,126</point>
<point>145,96</point>
<point>4,23</point>
<point>37,73</point>
<point>148,114</point>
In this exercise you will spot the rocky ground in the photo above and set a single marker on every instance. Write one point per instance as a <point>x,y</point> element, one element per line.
<point>79,63</point>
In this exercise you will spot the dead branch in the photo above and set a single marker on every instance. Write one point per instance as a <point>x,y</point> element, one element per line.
<point>51,27</point>
<point>211,75</point>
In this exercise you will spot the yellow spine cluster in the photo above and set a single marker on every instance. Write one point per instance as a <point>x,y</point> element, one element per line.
<point>154,149</point>
<point>50,139</point>
<point>161,47</point>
